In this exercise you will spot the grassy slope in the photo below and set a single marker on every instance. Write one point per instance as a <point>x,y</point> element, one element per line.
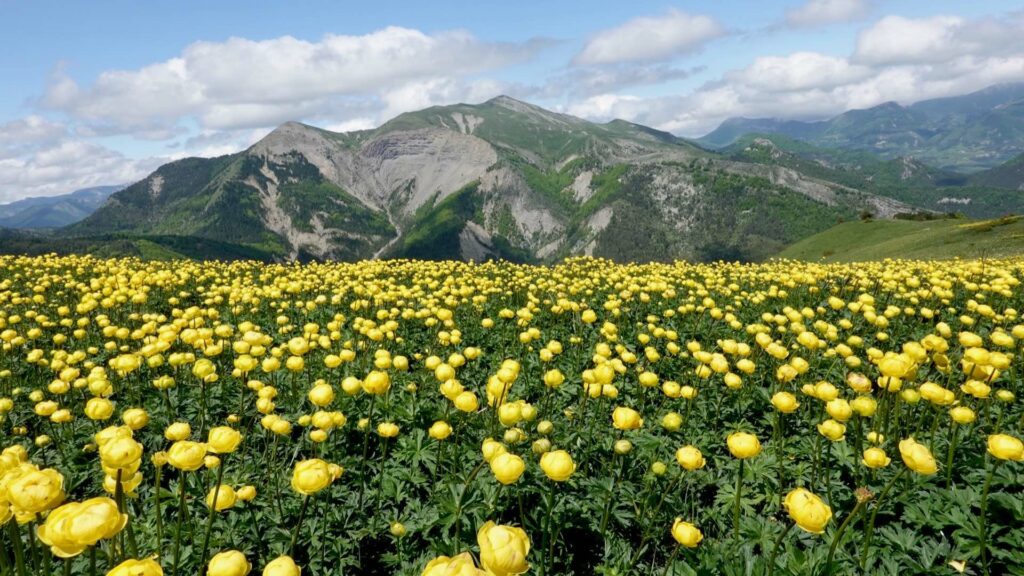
<point>932,239</point>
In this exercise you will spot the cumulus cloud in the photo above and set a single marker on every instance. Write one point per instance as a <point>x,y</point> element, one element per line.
<point>895,59</point>
<point>64,165</point>
<point>897,40</point>
<point>242,83</point>
<point>821,12</point>
<point>650,38</point>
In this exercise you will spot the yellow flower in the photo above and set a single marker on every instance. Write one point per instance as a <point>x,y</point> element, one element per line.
<point>785,402</point>
<point>440,430</point>
<point>35,491</point>
<point>461,565</point>
<point>962,415</point>
<point>186,455</point>
<point>875,458</point>
<point>121,454</point>
<point>387,429</point>
<point>743,445</point>
<point>94,520</point>
<point>1006,447</point>
<point>808,511</point>
<point>99,409</point>
<point>557,465</point>
<point>917,457</point>
<point>686,534</point>
<point>491,449</point>
<point>147,567</point>
<point>321,395</point>
<point>507,468</point>
<point>228,563</point>
<point>376,383</point>
<point>246,493</point>
<point>225,497</point>
<point>311,476</point>
<point>467,402</point>
<point>624,418</point>
<point>178,431</point>
<point>834,431</point>
<point>503,549</point>
<point>135,418</point>
<point>690,458</point>
<point>282,566</point>
<point>223,440</point>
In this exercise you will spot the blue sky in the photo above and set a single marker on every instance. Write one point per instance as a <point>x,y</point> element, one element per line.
<point>102,92</point>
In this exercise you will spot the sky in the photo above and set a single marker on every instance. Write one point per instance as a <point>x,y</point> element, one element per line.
<point>103,92</point>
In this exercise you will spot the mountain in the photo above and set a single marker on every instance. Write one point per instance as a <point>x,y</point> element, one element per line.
<point>1009,175</point>
<point>54,211</point>
<point>963,133</point>
<point>923,240</point>
<point>982,195</point>
<point>499,179</point>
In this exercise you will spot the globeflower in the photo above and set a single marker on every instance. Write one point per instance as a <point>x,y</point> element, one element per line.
<point>690,458</point>
<point>132,567</point>
<point>228,563</point>
<point>186,455</point>
<point>503,549</point>
<point>917,457</point>
<point>461,565</point>
<point>1006,447</point>
<point>624,418</point>
<point>223,440</point>
<point>282,566</point>
<point>507,468</point>
<point>808,511</point>
<point>311,476</point>
<point>686,534</point>
<point>743,445</point>
<point>557,465</point>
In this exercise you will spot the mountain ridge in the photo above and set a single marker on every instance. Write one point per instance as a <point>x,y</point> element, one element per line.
<point>500,179</point>
<point>966,133</point>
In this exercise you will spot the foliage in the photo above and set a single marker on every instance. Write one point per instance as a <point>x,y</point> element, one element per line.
<point>293,374</point>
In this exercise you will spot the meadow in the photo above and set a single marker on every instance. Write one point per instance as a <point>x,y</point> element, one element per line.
<point>446,418</point>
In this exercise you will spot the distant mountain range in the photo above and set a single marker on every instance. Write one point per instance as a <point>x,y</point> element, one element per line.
<point>964,133</point>
<point>500,179</point>
<point>507,179</point>
<point>54,211</point>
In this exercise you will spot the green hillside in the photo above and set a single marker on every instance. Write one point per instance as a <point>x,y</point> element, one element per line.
<point>929,239</point>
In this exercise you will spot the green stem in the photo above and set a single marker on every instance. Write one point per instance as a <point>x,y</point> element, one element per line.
<point>19,552</point>
<point>213,512</point>
<point>874,514</point>
<point>736,502</point>
<point>177,529</point>
<point>158,513</point>
<point>671,560</point>
<point>839,534</point>
<point>608,504</point>
<point>983,535</point>
<point>775,549</point>
<point>551,531</point>
<point>949,456</point>
<point>298,525</point>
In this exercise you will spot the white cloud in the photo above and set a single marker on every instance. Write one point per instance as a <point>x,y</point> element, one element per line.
<point>650,38</point>
<point>242,83</point>
<point>897,40</point>
<point>799,71</point>
<point>64,166</point>
<point>896,59</point>
<point>821,12</point>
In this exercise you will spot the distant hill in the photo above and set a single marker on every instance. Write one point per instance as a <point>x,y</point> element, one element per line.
<point>1009,175</point>
<point>500,179</point>
<point>54,211</point>
<point>930,239</point>
<point>964,133</point>
<point>981,195</point>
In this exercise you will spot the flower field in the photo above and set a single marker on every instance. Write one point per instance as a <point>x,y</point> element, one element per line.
<point>444,418</point>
